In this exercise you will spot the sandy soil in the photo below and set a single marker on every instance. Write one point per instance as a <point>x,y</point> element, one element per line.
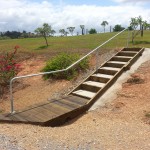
<point>119,125</point>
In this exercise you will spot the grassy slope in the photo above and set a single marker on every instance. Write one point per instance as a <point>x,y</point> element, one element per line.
<point>73,44</point>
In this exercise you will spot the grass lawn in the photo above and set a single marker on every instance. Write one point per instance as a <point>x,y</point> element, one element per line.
<point>81,44</point>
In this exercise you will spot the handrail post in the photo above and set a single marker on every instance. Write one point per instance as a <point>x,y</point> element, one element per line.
<point>11,97</point>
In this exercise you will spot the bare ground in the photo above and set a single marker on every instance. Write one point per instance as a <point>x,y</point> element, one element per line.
<point>119,125</point>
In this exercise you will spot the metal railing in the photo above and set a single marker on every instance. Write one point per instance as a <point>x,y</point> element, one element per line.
<point>58,71</point>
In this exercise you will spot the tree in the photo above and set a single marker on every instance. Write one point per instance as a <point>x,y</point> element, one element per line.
<point>66,33</point>
<point>130,28</point>
<point>71,29</point>
<point>45,30</point>
<point>118,28</point>
<point>52,32</point>
<point>104,23</point>
<point>145,25</point>
<point>140,21</point>
<point>82,28</point>
<point>62,31</point>
<point>134,23</point>
<point>92,31</point>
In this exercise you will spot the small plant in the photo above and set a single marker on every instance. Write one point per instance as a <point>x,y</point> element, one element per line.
<point>147,114</point>
<point>8,67</point>
<point>63,61</point>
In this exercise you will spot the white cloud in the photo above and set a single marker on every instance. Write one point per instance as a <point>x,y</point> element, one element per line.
<point>132,1</point>
<point>25,15</point>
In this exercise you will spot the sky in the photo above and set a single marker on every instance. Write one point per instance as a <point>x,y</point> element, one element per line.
<point>27,15</point>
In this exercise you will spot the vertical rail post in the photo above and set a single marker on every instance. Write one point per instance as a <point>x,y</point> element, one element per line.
<point>11,97</point>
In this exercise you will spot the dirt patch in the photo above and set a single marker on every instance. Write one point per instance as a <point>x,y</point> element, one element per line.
<point>136,79</point>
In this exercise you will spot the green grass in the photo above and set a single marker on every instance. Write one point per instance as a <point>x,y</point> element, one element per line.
<point>81,44</point>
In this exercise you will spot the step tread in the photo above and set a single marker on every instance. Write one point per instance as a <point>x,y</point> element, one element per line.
<point>117,62</point>
<point>84,93</point>
<point>123,57</point>
<point>111,68</point>
<point>93,83</point>
<point>103,75</point>
<point>130,51</point>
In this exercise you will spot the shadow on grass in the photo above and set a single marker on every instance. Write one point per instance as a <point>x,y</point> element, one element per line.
<point>141,42</point>
<point>42,47</point>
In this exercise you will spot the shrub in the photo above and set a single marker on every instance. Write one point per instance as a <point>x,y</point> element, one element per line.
<point>63,61</point>
<point>92,31</point>
<point>8,66</point>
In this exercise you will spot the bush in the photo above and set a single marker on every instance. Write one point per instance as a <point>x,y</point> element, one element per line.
<point>118,28</point>
<point>92,31</point>
<point>8,67</point>
<point>63,61</point>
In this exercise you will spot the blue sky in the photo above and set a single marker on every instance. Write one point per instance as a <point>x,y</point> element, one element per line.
<point>29,14</point>
<point>82,2</point>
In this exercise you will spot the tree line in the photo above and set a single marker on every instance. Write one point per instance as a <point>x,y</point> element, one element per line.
<point>46,30</point>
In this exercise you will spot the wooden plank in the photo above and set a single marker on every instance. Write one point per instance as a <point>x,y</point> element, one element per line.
<point>33,115</point>
<point>33,106</point>
<point>48,115</point>
<point>77,99</point>
<point>63,104</point>
<point>59,110</point>
<point>70,103</point>
<point>17,117</point>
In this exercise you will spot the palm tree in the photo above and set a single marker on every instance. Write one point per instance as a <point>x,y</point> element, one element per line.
<point>82,28</point>
<point>104,23</point>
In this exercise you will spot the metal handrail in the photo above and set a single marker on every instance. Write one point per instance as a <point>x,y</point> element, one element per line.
<point>57,71</point>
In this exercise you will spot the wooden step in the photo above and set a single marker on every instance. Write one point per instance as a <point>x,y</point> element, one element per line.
<point>114,65</point>
<point>84,93</point>
<point>117,62</point>
<point>120,59</point>
<point>132,49</point>
<point>104,71</point>
<point>103,75</point>
<point>89,87</point>
<point>127,57</point>
<point>93,83</point>
<point>111,68</point>
<point>134,52</point>
<point>126,53</point>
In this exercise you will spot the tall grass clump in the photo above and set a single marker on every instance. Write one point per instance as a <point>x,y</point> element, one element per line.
<point>62,61</point>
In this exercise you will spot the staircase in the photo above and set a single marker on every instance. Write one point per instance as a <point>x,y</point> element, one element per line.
<point>57,111</point>
<point>99,81</point>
